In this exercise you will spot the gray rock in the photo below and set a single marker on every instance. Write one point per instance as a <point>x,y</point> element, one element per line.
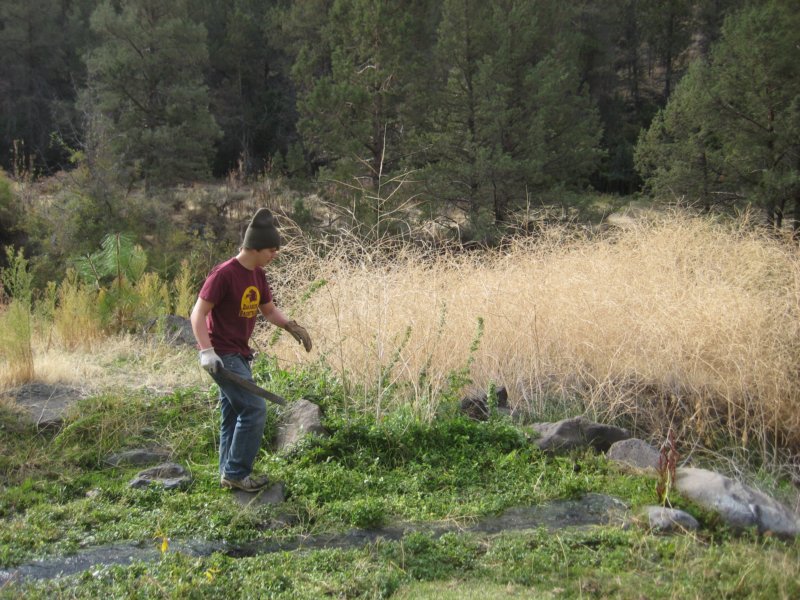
<point>476,406</point>
<point>138,457</point>
<point>169,475</point>
<point>173,330</point>
<point>46,405</point>
<point>669,520</point>
<point>634,452</point>
<point>302,419</point>
<point>589,509</point>
<point>577,433</point>
<point>274,494</point>
<point>740,506</point>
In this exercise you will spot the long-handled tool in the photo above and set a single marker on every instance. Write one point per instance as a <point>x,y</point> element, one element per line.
<point>250,386</point>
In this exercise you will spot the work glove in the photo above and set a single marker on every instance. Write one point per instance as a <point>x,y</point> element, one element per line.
<point>300,334</point>
<point>209,360</point>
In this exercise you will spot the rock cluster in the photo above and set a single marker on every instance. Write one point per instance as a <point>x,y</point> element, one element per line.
<point>739,506</point>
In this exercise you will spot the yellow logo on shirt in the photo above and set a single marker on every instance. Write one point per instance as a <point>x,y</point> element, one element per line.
<point>250,300</point>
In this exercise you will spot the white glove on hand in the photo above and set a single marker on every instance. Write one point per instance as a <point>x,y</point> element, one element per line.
<point>209,360</point>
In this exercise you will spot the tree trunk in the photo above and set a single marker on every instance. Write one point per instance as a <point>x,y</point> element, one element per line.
<point>706,197</point>
<point>668,58</point>
<point>632,35</point>
<point>796,222</point>
<point>778,222</point>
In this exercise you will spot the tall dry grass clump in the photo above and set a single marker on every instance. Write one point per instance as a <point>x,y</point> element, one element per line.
<point>16,320</point>
<point>676,321</point>
<point>75,317</point>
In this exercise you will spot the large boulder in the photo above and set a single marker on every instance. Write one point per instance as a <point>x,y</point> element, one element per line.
<point>476,406</point>
<point>302,419</point>
<point>634,453</point>
<point>46,405</point>
<point>577,433</point>
<point>172,330</point>
<point>738,505</point>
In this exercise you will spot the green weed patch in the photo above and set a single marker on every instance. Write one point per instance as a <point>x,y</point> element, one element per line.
<point>368,474</point>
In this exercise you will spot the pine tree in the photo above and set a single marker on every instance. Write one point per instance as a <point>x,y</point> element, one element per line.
<point>679,155</point>
<point>733,125</point>
<point>146,85</point>
<point>516,119</point>
<point>352,95</point>
<point>250,92</point>
<point>453,175</point>
<point>667,30</point>
<point>34,76</point>
<point>757,95</point>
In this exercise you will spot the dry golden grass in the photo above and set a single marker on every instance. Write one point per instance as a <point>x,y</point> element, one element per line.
<point>119,363</point>
<point>16,352</point>
<point>675,320</point>
<point>76,323</point>
<point>672,321</point>
<point>124,363</point>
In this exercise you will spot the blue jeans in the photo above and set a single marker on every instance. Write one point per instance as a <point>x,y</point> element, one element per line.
<point>243,415</point>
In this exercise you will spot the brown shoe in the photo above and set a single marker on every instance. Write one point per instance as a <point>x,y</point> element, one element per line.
<point>248,484</point>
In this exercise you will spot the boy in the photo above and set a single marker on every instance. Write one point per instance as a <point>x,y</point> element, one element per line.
<point>223,319</point>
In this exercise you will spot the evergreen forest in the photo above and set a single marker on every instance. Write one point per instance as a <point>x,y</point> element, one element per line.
<point>462,112</point>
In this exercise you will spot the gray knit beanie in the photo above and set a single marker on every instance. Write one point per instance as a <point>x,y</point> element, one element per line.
<point>262,232</point>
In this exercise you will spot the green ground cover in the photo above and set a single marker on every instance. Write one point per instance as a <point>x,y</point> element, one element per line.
<point>59,496</point>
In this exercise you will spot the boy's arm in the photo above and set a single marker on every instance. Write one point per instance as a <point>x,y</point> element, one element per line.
<point>208,357</point>
<point>198,320</point>
<point>274,315</point>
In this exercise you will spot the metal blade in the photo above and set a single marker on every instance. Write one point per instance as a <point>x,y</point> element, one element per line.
<point>250,386</point>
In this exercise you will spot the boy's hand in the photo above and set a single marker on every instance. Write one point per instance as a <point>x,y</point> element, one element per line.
<point>299,333</point>
<point>209,360</point>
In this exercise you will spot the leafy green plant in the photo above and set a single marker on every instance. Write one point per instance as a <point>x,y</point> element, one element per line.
<point>367,513</point>
<point>459,378</point>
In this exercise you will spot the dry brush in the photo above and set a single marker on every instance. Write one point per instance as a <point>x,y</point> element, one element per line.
<point>674,321</point>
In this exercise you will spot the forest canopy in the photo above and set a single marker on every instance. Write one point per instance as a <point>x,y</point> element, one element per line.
<point>481,108</point>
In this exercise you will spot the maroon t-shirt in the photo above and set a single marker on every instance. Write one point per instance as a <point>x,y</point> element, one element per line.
<point>236,293</point>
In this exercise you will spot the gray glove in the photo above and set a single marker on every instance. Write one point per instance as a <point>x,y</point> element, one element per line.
<point>209,360</point>
<point>300,334</point>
